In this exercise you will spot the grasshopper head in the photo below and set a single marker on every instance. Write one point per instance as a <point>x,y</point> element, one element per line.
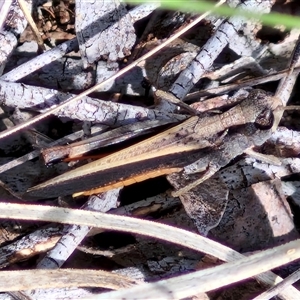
<point>258,109</point>
<point>265,119</point>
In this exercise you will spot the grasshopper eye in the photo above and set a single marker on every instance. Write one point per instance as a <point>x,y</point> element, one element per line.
<point>265,119</point>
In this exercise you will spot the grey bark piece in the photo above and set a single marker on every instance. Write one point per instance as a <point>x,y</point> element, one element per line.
<point>189,77</point>
<point>106,70</point>
<point>171,265</point>
<point>74,234</point>
<point>87,109</point>
<point>230,70</point>
<point>103,29</point>
<point>131,272</point>
<point>292,190</point>
<point>271,224</point>
<point>249,171</point>
<point>43,238</point>
<point>281,52</point>
<point>285,137</point>
<point>283,143</point>
<point>14,26</point>
<point>40,61</point>
<point>245,44</point>
<point>8,41</point>
<point>163,70</point>
<point>4,9</point>
<point>142,11</point>
<point>16,21</point>
<point>68,73</point>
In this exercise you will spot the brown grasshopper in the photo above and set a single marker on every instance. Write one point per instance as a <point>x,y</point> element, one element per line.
<point>162,154</point>
<point>147,159</point>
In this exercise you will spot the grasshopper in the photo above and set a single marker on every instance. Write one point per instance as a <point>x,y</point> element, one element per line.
<point>162,153</point>
<point>185,139</point>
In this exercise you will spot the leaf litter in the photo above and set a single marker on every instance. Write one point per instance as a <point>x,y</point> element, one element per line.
<point>248,206</point>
